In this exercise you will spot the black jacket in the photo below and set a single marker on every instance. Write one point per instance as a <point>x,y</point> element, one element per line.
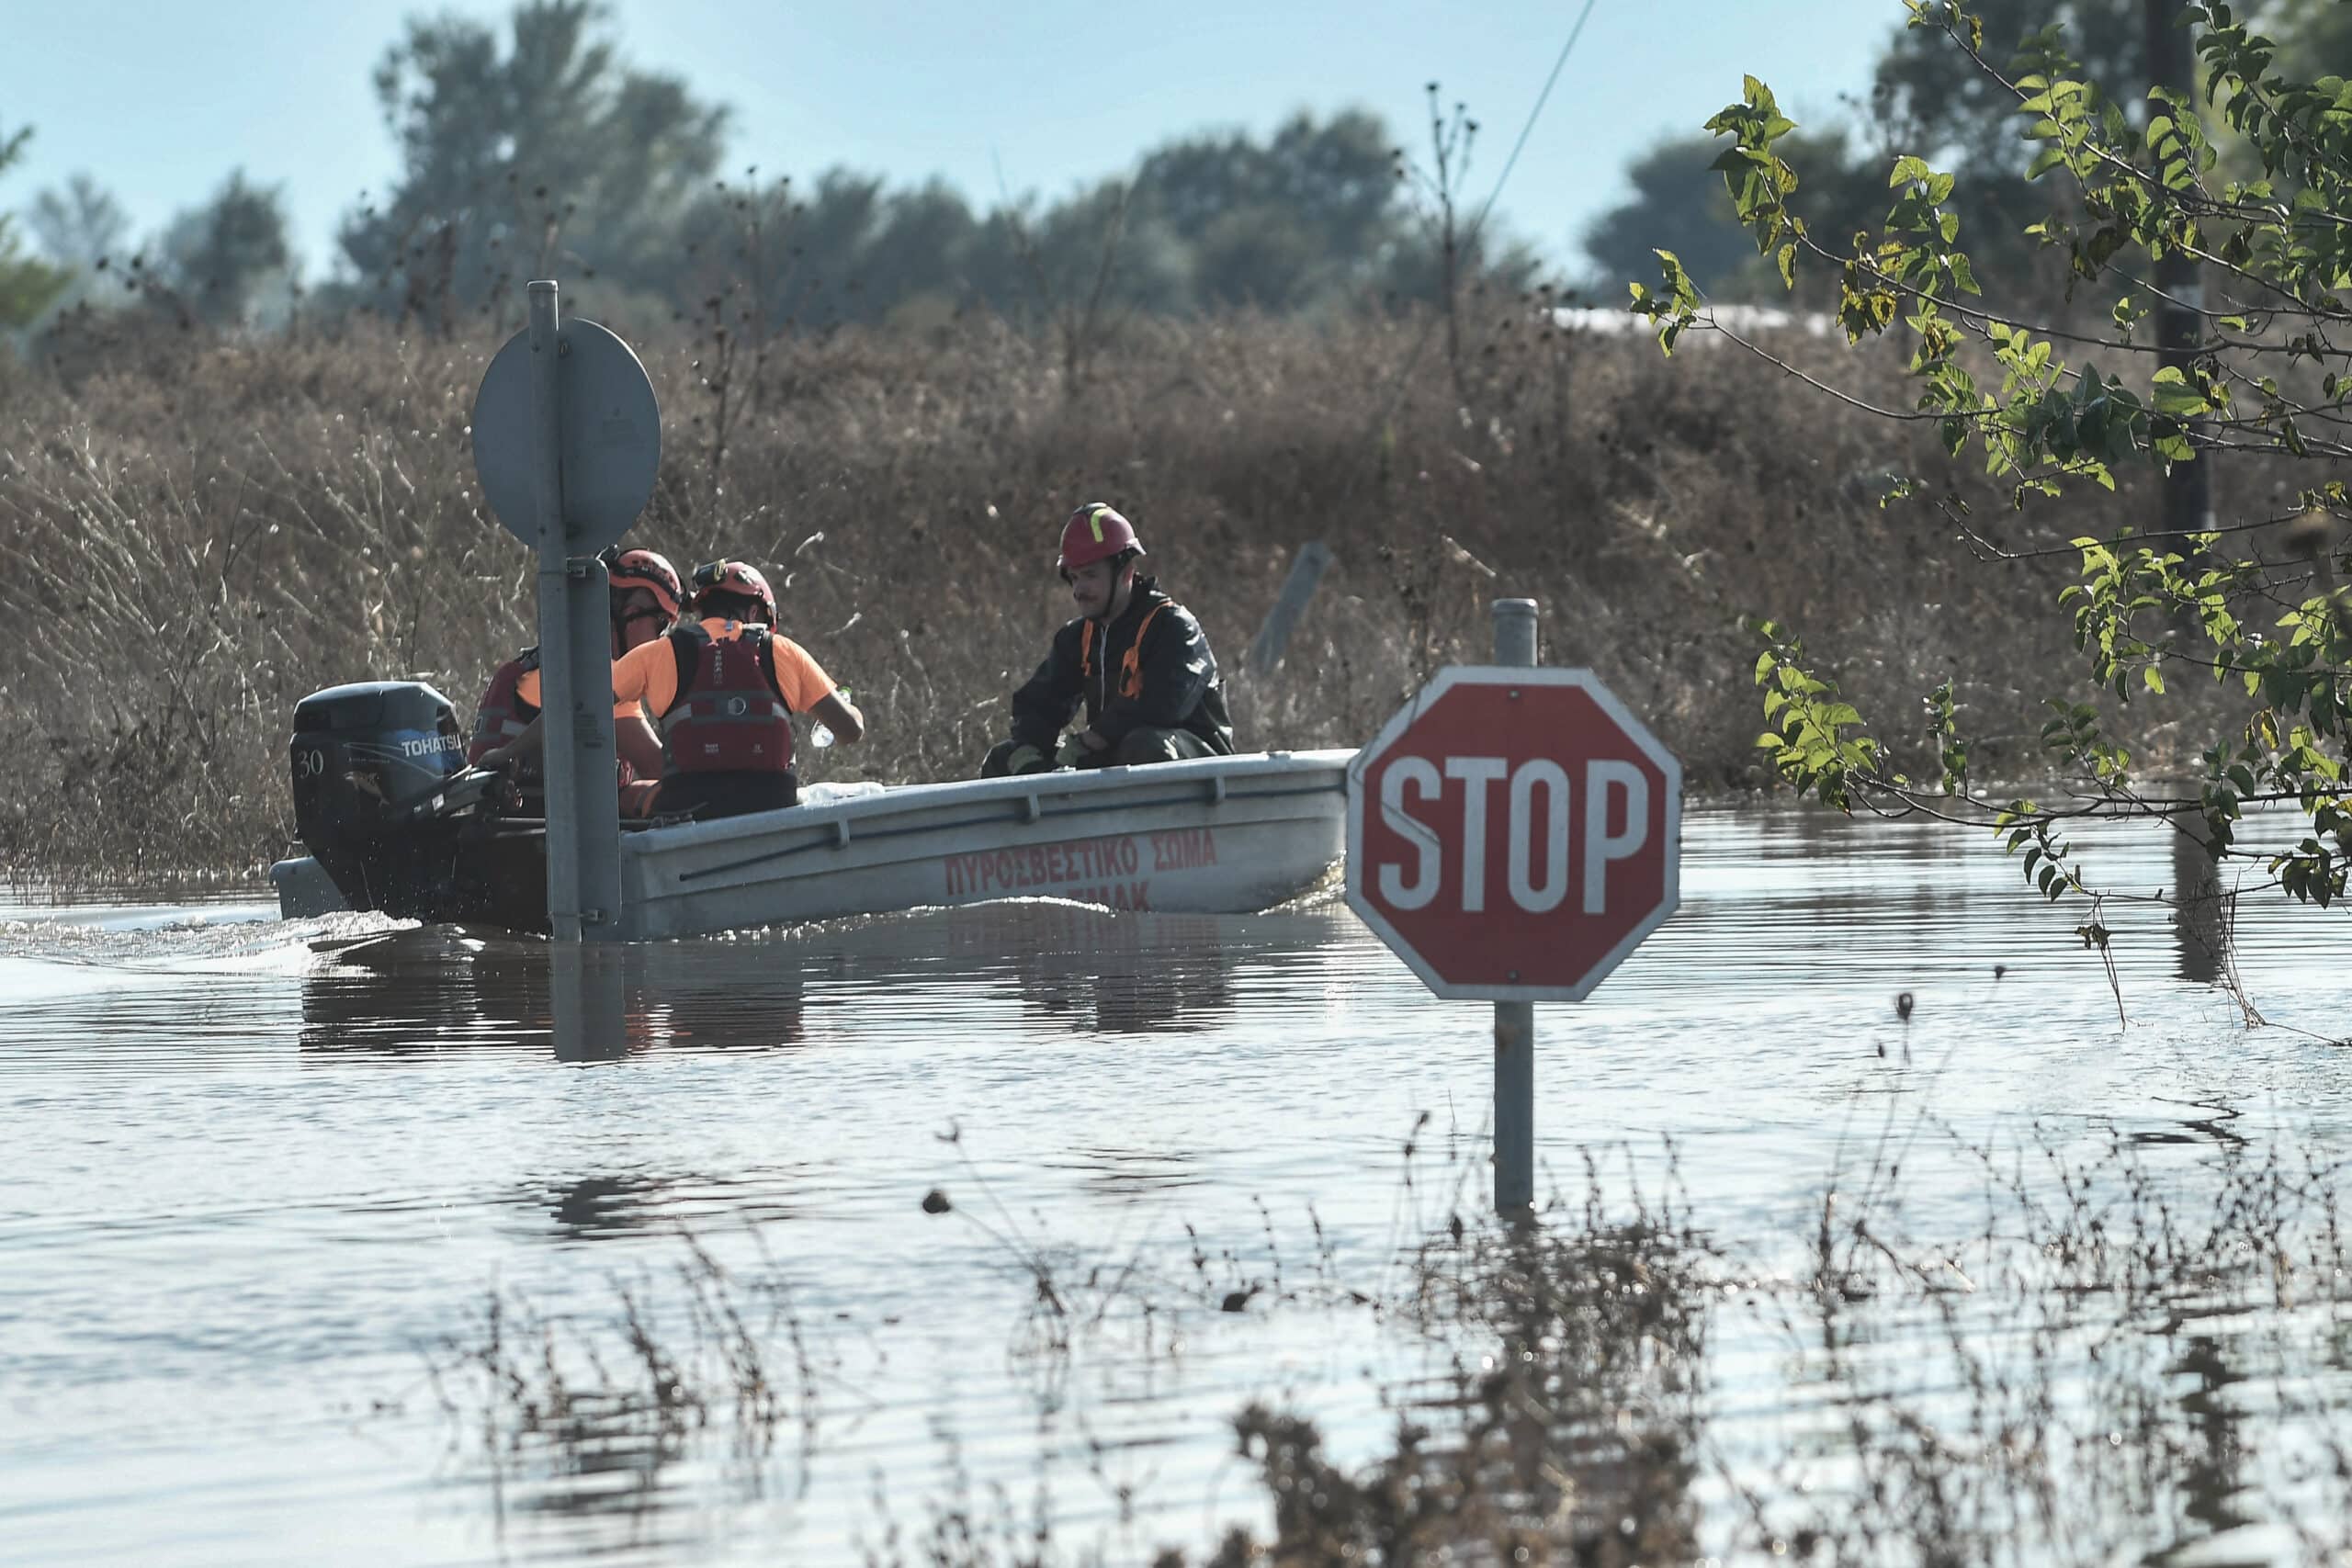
<point>1179,688</point>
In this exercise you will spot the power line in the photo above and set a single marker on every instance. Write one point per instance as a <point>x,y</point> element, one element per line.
<point>1421,339</point>
<point>1574,33</point>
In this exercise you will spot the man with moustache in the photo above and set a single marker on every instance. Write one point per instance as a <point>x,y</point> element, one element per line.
<point>1135,662</point>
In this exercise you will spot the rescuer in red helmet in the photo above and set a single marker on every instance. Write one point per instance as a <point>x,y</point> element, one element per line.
<point>1135,661</point>
<point>723,685</point>
<point>643,595</point>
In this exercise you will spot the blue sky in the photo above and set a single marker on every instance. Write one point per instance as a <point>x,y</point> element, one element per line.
<point>160,101</point>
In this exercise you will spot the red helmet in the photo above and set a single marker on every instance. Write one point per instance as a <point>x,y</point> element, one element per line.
<point>1094,533</point>
<point>647,570</point>
<point>733,576</point>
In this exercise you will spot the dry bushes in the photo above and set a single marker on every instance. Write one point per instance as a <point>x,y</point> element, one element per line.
<point>195,532</point>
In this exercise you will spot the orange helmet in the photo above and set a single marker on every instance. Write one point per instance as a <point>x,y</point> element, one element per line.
<point>647,570</point>
<point>1094,533</point>
<point>733,576</point>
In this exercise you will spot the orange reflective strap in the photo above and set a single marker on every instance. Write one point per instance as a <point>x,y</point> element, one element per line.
<point>1085,648</point>
<point>1131,663</point>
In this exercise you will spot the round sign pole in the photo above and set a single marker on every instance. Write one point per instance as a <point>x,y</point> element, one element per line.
<point>568,442</point>
<point>1515,1022</point>
<point>575,657</point>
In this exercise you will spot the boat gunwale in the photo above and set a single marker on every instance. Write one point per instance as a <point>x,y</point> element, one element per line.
<point>1246,768</point>
<point>659,863</point>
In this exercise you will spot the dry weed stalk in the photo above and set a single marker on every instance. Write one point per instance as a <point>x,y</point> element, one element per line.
<point>198,531</point>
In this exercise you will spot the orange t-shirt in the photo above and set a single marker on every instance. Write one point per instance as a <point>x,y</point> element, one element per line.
<point>648,672</point>
<point>527,689</point>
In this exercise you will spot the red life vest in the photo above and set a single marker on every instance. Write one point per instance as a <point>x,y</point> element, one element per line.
<point>729,716</point>
<point>503,715</point>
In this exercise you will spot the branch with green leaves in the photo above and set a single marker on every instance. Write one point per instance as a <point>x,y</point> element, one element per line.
<point>2281,245</point>
<point>2289,753</point>
<point>2262,377</point>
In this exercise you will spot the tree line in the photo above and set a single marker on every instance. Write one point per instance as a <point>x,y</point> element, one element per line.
<point>1927,99</point>
<point>535,149</point>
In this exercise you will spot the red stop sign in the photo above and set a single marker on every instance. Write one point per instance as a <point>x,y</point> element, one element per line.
<point>1513,833</point>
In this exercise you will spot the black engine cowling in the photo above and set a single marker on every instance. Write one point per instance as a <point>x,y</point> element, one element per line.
<point>364,756</point>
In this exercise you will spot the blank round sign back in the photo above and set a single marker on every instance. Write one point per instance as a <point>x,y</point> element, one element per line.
<point>611,442</point>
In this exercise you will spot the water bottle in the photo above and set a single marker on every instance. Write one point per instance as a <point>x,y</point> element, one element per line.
<point>821,734</point>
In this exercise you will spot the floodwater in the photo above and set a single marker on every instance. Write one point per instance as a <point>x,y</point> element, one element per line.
<point>341,1240</point>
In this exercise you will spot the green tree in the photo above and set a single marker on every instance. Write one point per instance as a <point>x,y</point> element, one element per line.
<point>848,249</point>
<point>28,284</point>
<point>223,261</point>
<point>82,226</point>
<point>1500,263</point>
<point>1935,102</point>
<point>922,253</point>
<point>2310,33</point>
<point>1923,100</point>
<point>2257,603</point>
<point>830,243</point>
<point>1677,203</point>
<point>1680,204</point>
<point>1307,216</point>
<point>1102,244</point>
<point>84,229</point>
<point>552,155</point>
<point>545,155</point>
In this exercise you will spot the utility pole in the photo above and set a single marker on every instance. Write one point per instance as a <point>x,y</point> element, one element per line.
<point>2180,326</point>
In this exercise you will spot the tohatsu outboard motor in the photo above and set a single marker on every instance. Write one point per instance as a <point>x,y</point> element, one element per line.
<point>365,758</point>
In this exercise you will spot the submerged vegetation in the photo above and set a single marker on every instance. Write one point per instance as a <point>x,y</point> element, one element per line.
<point>2076,1369</point>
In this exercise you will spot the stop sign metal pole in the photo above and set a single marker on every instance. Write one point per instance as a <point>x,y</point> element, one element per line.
<point>1515,1022</point>
<point>1510,929</point>
<point>576,656</point>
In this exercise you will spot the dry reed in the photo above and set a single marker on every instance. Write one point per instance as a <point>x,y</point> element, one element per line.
<point>197,531</point>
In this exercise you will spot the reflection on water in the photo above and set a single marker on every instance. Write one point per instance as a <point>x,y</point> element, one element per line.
<point>1580,1435</point>
<point>2215,1470</point>
<point>337,1239</point>
<point>437,989</point>
<point>1084,969</point>
<point>2199,905</point>
<point>597,1206</point>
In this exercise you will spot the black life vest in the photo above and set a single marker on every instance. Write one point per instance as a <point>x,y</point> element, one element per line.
<point>1130,662</point>
<point>503,715</point>
<point>729,716</point>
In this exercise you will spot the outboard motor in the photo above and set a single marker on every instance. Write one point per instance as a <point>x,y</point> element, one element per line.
<point>365,756</point>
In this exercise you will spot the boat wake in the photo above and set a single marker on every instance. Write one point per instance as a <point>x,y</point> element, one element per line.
<point>72,950</point>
